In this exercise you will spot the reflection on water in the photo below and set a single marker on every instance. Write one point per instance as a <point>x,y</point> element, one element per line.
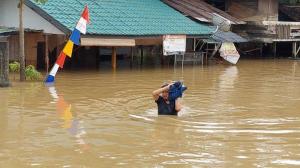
<point>71,122</point>
<point>233,116</point>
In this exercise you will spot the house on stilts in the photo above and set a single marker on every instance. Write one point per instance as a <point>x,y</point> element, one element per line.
<point>268,25</point>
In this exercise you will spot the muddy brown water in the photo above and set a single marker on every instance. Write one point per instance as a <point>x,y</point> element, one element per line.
<point>246,115</point>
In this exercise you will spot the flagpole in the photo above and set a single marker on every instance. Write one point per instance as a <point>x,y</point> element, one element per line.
<point>68,49</point>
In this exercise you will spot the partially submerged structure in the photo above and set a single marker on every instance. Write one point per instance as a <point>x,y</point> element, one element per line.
<point>264,25</point>
<point>202,12</point>
<point>258,21</point>
<point>118,30</point>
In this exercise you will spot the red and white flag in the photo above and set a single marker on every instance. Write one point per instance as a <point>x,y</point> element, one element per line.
<point>83,21</point>
<point>86,15</point>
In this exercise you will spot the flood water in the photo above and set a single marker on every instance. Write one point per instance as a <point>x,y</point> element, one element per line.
<point>234,116</point>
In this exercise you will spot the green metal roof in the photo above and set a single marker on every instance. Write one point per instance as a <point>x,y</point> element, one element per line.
<point>120,17</point>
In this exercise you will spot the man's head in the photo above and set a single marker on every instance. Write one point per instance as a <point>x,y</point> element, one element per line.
<point>165,94</point>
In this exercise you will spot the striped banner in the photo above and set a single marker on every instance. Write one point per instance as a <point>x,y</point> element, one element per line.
<point>68,49</point>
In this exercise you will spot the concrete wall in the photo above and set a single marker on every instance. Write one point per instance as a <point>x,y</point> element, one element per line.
<point>9,17</point>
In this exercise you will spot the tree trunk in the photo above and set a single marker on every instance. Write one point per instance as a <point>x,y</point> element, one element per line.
<point>21,42</point>
<point>4,71</point>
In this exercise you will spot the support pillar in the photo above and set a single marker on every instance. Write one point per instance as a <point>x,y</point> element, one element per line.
<point>98,57</point>
<point>274,49</point>
<point>131,60</point>
<point>4,64</point>
<point>294,49</point>
<point>142,55</point>
<point>114,58</point>
<point>194,46</point>
<point>46,53</point>
<point>261,49</point>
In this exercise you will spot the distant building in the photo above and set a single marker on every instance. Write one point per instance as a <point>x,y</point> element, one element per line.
<point>118,30</point>
<point>267,24</point>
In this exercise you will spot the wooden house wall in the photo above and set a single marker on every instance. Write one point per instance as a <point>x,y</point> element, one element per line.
<point>31,41</point>
<point>242,9</point>
<point>269,9</point>
<point>253,10</point>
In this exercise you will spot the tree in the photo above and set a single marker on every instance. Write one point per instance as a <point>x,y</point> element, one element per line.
<point>21,38</point>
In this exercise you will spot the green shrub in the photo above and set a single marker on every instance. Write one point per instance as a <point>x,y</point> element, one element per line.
<point>14,67</point>
<point>32,74</point>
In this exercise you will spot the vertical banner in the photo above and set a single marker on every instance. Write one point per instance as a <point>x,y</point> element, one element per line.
<point>68,49</point>
<point>174,44</point>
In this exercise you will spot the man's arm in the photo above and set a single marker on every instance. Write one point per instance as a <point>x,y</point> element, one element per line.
<point>157,92</point>
<point>178,105</point>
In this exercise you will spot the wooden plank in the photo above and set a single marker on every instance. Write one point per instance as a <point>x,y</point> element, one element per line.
<point>274,49</point>
<point>242,10</point>
<point>295,49</point>
<point>107,42</point>
<point>3,39</point>
<point>285,40</point>
<point>213,9</point>
<point>268,8</point>
<point>114,58</point>
<point>46,53</point>
<point>149,41</point>
<point>190,10</point>
<point>200,10</point>
<point>298,50</point>
<point>131,55</point>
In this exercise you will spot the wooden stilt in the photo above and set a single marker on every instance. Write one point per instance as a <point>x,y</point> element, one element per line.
<point>216,49</point>
<point>294,49</point>
<point>46,53</point>
<point>114,58</point>
<point>274,49</point>
<point>194,47</point>
<point>131,60</point>
<point>298,49</point>
<point>142,55</point>
<point>162,62</point>
<point>98,57</point>
<point>261,50</point>
<point>175,60</point>
<point>206,59</point>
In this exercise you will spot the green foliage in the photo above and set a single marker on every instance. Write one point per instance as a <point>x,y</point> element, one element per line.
<point>14,67</point>
<point>32,74</point>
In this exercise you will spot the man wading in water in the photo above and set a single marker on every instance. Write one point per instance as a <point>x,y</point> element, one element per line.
<point>166,107</point>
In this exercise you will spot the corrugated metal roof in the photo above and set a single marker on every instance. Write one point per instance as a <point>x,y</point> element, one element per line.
<point>282,23</point>
<point>120,17</point>
<point>221,36</point>
<point>200,10</point>
<point>13,30</point>
<point>6,30</point>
